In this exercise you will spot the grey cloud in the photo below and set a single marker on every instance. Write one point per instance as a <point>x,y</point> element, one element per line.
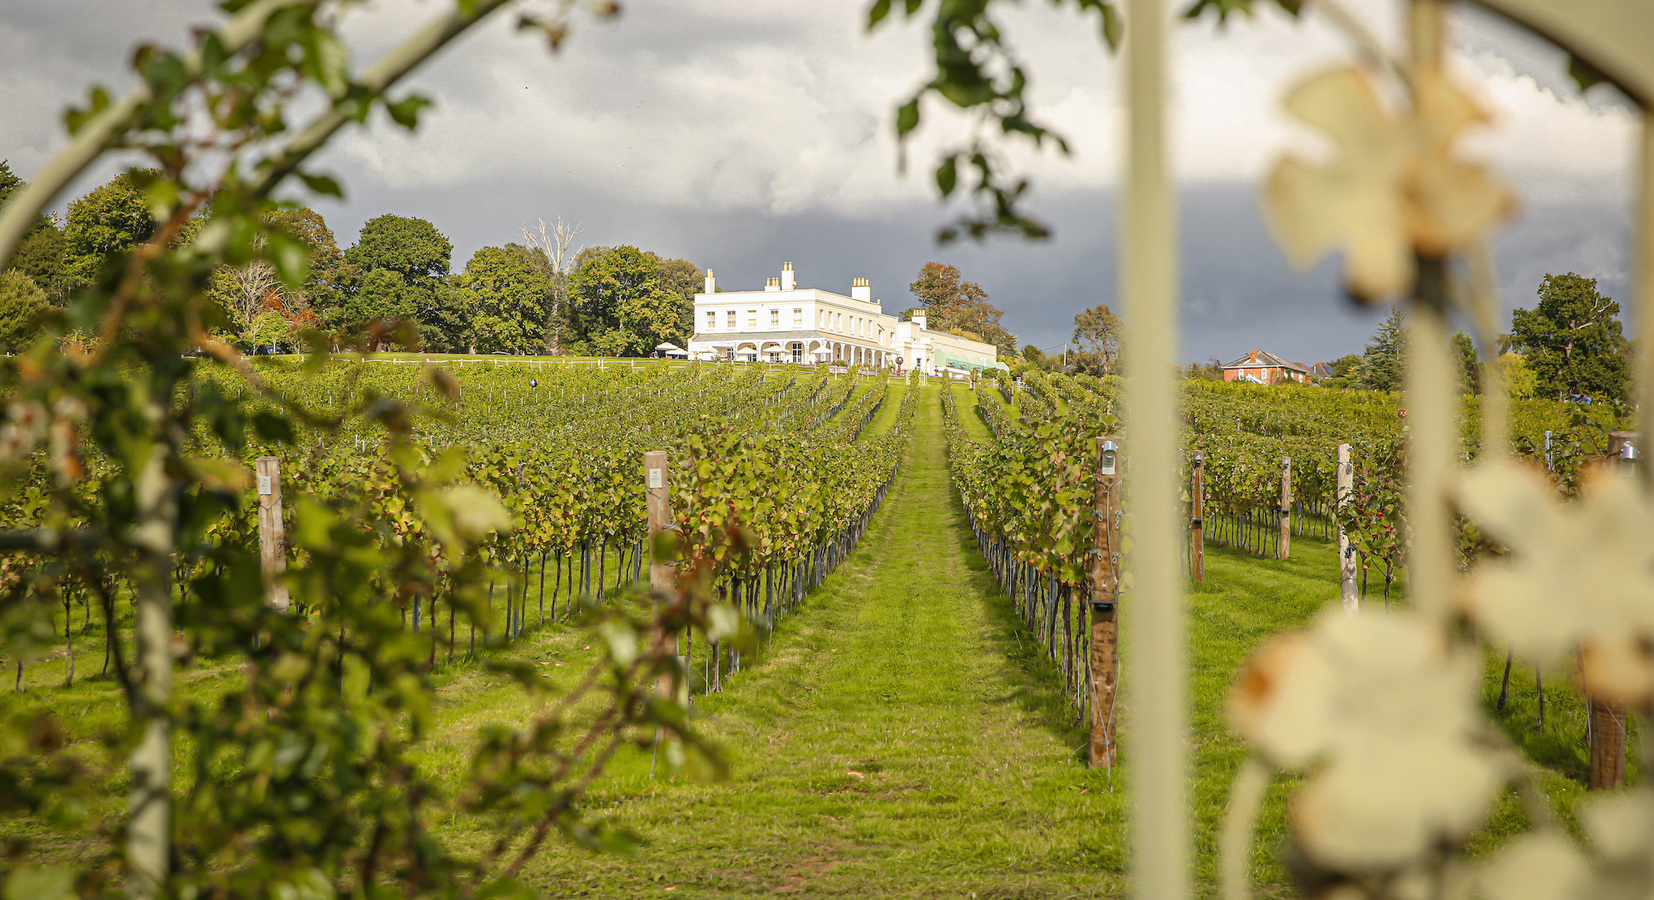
<point>742,135</point>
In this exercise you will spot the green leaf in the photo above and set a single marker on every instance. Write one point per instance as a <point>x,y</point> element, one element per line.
<point>907,118</point>
<point>876,13</point>
<point>324,185</point>
<point>328,61</point>
<point>1114,28</point>
<point>1585,75</point>
<point>272,427</point>
<point>405,112</point>
<point>947,175</point>
<point>291,258</point>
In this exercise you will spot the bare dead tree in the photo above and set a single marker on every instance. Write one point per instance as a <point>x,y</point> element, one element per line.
<point>256,285</point>
<point>557,243</point>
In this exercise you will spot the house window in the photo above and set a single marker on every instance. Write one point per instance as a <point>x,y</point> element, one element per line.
<point>752,318</point>
<point>775,318</point>
<point>729,319</point>
<point>711,320</point>
<point>798,318</point>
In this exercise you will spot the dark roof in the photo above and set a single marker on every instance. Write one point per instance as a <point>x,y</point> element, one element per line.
<point>1266,360</point>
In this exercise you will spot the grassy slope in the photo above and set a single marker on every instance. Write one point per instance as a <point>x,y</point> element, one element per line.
<point>969,418</point>
<point>885,418</point>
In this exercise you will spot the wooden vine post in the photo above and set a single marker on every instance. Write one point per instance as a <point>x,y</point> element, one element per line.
<point>1286,507</point>
<point>272,534</point>
<point>659,505</point>
<point>1607,720</point>
<point>1348,598</point>
<point>1105,593</point>
<point>1197,517</point>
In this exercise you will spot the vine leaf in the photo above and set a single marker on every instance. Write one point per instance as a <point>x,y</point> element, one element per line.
<point>1547,865</point>
<point>1392,188</point>
<point>1578,575</point>
<point>1382,711</point>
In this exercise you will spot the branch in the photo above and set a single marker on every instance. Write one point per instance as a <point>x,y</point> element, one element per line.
<point>45,540</point>
<point>377,80</point>
<point>102,131</point>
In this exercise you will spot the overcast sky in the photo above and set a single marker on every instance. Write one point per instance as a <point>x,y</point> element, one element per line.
<point>741,133</point>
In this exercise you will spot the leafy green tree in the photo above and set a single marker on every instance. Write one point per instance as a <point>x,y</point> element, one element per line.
<point>1211,370</point>
<point>1036,357</point>
<point>446,327</point>
<point>110,219</point>
<point>1470,365</point>
<point>329,274</point>
<point>620,306</point>
<point>682,279</point>
<point>1382,361</point>
<point>510,294</point>
<point>393,249</point>
<point>40,257</point>
<point>960,307</point>
<point>246,292</point>
<point>269,329</point>
<point>555,321</point>
<point>383,296</point>
<point>412,248</point>
<point>940,285</point>
<point>9,181</point>
<point>1346,373</point>
<point>1097,333</point>
<point>22,303</point>
<point>1520,381</point>
<point>1572,340</point>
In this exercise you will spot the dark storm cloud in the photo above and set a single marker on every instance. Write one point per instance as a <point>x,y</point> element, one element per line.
<point>1238,289</point>
<point>740,135</point>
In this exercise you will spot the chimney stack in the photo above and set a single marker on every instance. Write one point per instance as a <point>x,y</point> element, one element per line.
<point>789,281</point>
<point>772,284</point>
<point>861,290</point>
<point>711,283</point>
<point>1252,357</point>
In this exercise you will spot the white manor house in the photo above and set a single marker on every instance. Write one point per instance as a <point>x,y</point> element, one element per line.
<point>787,323</point>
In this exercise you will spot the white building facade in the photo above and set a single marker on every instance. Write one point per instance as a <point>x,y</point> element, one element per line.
<point>787,323</point>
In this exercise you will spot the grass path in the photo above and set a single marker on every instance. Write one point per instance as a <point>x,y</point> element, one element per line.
<point>885,419</point>
<point>898,739</point>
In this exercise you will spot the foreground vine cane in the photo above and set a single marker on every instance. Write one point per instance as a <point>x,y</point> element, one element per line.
<point>1156,633</point>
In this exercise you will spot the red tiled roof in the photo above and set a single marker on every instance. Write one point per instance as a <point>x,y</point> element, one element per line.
<point>1265,360</point>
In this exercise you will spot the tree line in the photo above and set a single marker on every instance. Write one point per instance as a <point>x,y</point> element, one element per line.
<point>1570,346</point>
<point>396,286</point>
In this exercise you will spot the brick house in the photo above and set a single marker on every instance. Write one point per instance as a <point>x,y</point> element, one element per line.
<point>1263,367</point>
